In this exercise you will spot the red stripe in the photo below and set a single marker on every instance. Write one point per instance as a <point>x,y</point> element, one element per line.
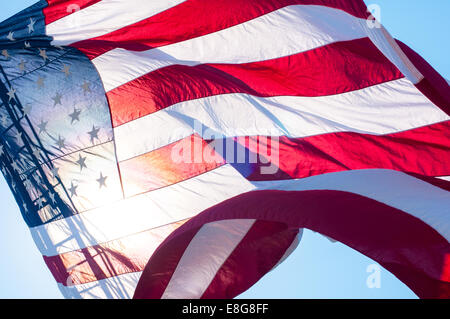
<point>421,151</point>
<point>416,151</point>
<point>117,257</point>
<point>158,168</point>
<point>264,245</point>
<point>195,18</point>
<point>401,243</point>
<point>433,86</point>
<point>163,267</point>
<point>333,69</point>
<point>58,9</point>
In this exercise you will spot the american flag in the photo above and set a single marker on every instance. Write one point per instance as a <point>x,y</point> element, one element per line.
<point>177,148</point>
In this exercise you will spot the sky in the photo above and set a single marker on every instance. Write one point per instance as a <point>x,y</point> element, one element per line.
<point>318,268</point>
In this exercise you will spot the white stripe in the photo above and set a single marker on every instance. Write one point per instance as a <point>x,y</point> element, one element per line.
<point>202,259</point>
<point>103,17</point>
<point>205,255</point>
<point>140,213</point>
<point>280,33</point>
<point>191,197</point>
<point>445,178</point>
<point>381,109</point>
<point>118,287</point>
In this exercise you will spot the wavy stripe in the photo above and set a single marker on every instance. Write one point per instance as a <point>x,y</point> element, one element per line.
<point>416,151</point>
<point>140,213</point>
<point>333,69</point>
<point>396,189</point>
<point>119,287</point>
<point>195,18</point>
<point>214,240</point>
<point>219,249</point>
<point>104,17</point>
<point>261,247</point>
<point>260,158</point>
<point>125,255</point>
<point>417,258</point>
<point>58,9</point>
<point>193,196</point>
<point>132,253</point>
<point>159,168</point>
<point>382,109</point>
<point>284,32</point>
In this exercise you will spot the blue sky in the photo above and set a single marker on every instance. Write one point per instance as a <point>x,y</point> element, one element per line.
<point>318,268</point>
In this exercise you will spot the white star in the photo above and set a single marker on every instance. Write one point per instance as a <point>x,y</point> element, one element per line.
<point>23,160</point>
<point>43,54</point>
<point>10,36</point>
<point>36,153</point>
<point>52,197</point>
<point>57,99</point>
<point>28,185</point>
<point>31,25</point>
<point>42,126</point>
<point>18,136</point>
<point>73,190</point>
<point>1,150</point>
<point>86,87</point>
<point>94,133</point>
<point>38,179</point>
<point>15,166</point>
<point>5,53</point>
<point>25,207</point>
<point>27,44</point>
<point>27,109</point>
<point>40,82</point>
<point>55,172</point>
<point>4,120</point>
<point>40,202</point>
<point>82,162</point>
<point>102,180</point>
<point>75,116</point>
<point>61,144</point>
<point>11,93</point>
<point>66,69</point>
<point>4,171</point>
<point>22,66</point>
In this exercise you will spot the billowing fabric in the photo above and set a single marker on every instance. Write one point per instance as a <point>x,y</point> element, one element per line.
<point>177,149</point>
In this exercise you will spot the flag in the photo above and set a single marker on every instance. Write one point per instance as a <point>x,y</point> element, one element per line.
<point>177,149</point>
